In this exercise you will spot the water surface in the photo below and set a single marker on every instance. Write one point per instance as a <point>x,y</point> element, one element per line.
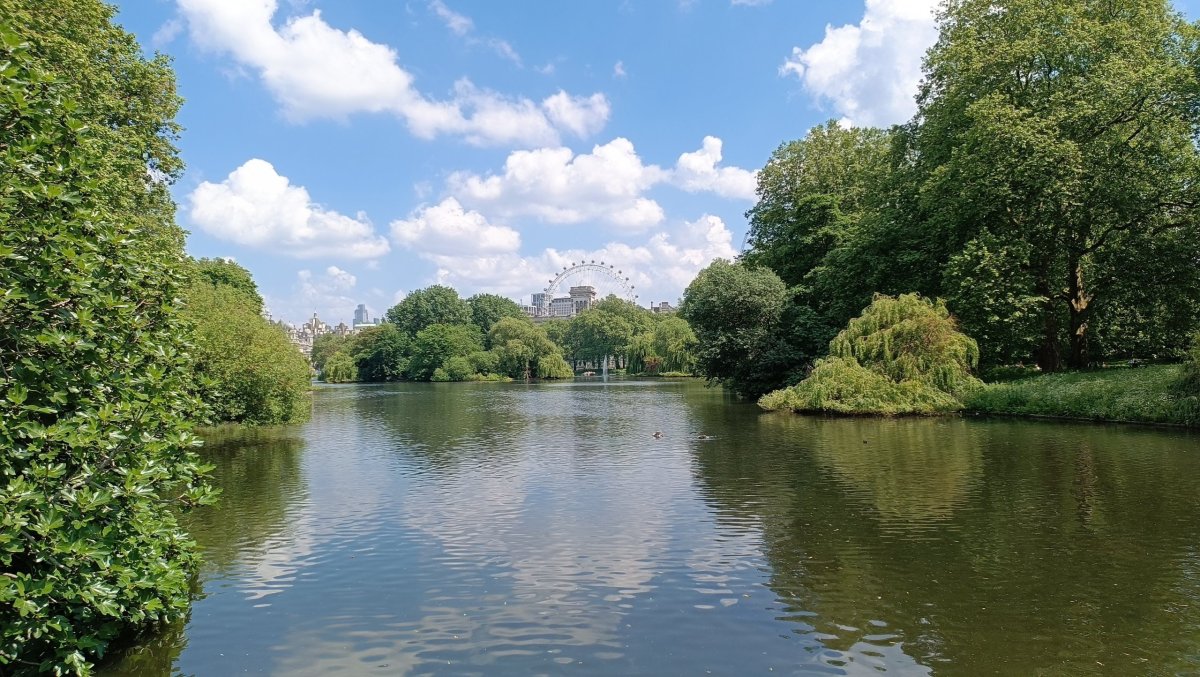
<point>543,529</point>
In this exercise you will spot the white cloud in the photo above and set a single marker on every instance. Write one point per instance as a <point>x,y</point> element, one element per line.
<point>659,267</point>
<point>607,185</point>
<point>870,72</point>
<point>166,33</point>
<point>750,3</point>
<point>578,115</point>
<point>457,23</point>
<point>619,70</point>
<point>256,207</point>
<point>698,172</point>
<point>446,228</point>
<point>504,49</point>
<point>317,71</point>
<point>557,186</point>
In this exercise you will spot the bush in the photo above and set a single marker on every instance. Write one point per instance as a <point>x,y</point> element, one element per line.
<point>251,371</point>
<point>1146,395</point>
<point>96,452</point>
<point>903,355</point>
<point>458,368</point>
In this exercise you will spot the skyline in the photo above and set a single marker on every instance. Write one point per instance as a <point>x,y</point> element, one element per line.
<point>349,153</point>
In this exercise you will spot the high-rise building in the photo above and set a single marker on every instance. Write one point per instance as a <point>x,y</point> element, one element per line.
<point>361,316</point>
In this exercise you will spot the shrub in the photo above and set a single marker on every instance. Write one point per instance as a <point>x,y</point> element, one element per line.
<point>458,368</point>
<point>251,371</point>
<point>903,355</point>
<point>96,452</point>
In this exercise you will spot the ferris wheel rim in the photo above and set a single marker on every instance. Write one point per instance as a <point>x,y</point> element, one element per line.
<point>615,274</point>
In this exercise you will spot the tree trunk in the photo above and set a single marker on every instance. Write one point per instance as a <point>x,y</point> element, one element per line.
<point>1079,303</point>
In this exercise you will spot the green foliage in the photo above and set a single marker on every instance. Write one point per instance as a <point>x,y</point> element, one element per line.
<point>487,309</point>
<point>1186,387</point>
<point>251,371</point>
<point>903,355</point>
<point>325,345</point>
<point>1147,395</point>
<point>743,321</point>
<point>426,307</point>
<point>220,272</point>
<point>339,368</point>
<point>522,351</point>
<point>843,386</point>
<point>380,353</point>
<point>94,374</point>
<point>457,368</point>
<point>437,343</point>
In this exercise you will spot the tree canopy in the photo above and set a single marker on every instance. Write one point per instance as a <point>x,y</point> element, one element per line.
<point>96,383</point>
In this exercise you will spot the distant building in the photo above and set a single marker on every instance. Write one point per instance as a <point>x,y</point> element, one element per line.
<point>361,316</point>
<point>663,307</point>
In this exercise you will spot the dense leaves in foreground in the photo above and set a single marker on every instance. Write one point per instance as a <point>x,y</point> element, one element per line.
<point>94,375</point>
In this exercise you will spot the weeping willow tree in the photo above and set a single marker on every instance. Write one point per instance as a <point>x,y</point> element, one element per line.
<point>903,355</point>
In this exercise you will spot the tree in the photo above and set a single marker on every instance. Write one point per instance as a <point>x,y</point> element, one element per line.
<point>439,342</point>
<point>380,353</point>
<point>811,194</point>
<point>595,335</point>
<point>1068,127</point>
<point>95,376</point>
<point>737,313</point>
<point>220,272</point>
<point>340,368</point>
<point>523,350</point>
<point>250,370</point>
<point>487,309</point>
<point>675,342</point>
<point>325,345</point>
<point>426,307</point>
<point>903,355</point>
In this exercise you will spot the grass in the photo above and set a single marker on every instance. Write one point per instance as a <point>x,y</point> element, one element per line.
<point>1146,395</point>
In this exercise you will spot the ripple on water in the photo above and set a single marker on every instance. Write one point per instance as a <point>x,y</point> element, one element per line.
<point>514,529</point>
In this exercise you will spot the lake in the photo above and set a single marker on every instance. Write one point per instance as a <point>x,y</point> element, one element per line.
<point>544,529</point>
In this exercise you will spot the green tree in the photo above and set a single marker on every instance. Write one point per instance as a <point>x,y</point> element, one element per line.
<point>439,342</point>
<point>812,193</point>
<point>740,317</point>
<point>94,374</point>
<point>524,351</point>
<point>340,368</point>
<point>675,343</point>
<point>220,272</point>
<point>326,345</point>
<point>1068,127</point>
<point>595,335</point>
<point>487,309</point>
<point>426,307</point>
<point>380,353</point>
<point>251,371</point>
<point>903,355</point>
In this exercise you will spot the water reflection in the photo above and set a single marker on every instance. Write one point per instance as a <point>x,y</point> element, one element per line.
<point>515,529</point>
<point>1072,554</point>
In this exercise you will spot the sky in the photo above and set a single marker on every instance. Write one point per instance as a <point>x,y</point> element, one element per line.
<point>352,151</point>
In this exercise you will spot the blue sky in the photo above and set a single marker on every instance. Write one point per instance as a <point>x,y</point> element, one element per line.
<point>348,152</point>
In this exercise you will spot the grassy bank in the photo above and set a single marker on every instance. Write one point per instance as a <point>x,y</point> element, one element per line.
<point>1124,395</point>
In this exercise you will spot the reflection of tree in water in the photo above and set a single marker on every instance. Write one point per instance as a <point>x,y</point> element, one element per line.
<point>258,473</point>
<point>982,547</point>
